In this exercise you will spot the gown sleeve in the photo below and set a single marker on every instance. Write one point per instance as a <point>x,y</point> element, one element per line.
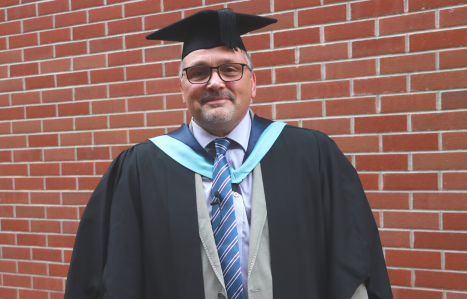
<point>104,263</point>
<point>355,249</point>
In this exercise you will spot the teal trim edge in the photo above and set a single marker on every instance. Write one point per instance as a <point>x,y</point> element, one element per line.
<point>190,159</point>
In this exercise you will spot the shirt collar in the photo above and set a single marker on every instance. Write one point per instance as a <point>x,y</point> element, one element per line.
<point>240,134</point>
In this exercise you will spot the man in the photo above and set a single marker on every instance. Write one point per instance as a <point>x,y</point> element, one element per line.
<point>231,206</point>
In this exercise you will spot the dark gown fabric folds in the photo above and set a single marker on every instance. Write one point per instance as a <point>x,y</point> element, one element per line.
<point>138,237</point>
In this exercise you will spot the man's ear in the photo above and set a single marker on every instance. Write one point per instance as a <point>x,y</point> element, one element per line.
<point>181,89</point>
<point>253,85</point>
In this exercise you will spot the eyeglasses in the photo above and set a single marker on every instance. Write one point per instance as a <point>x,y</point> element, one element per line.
<point>228,72</point>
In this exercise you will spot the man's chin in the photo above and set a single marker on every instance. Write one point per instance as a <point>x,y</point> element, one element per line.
<point>218,115</point>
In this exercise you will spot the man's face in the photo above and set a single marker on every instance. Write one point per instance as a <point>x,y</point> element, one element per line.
<point>218,106</point>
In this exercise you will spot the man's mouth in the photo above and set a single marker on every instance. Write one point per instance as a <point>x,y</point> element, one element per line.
<point>216,98</point>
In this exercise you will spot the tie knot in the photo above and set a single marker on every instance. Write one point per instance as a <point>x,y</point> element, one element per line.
<point>222,144</point>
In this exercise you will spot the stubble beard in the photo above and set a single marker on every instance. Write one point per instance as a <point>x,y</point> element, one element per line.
<point>212,114</point>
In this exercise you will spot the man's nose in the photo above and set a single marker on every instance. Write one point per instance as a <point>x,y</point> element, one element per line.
<point>215,82</point>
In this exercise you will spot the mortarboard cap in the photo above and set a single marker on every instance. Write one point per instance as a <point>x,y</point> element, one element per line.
<point>211,28</point>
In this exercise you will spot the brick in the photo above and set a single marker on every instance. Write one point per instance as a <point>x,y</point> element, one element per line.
<point>378,46</point>
<point>126,89</point>
<point>17,280</point>
<point>6,211</point>
<point>283,5</point>
<point>59,124</point>
<point>90,92</point>
<point>410,102</point>
<point>296,37</point>
<point>254,6</point>
<point>31,240</point>
<point>40,82</point>
<point>16,252</point>
<point>408,63</point>
<point>164,118</point>
<point>48,283</point>
<point>263,77</point>
<point>453,16</point>
<point>439,161</point>
<point>275,93</point>
<point>101,167</point>
<point>400,277</point>
<point>88,31</point>
<point>5,156</point>
<point>107,75</point>
<point>284,20</point>
<point>52,7</point>
<point>45,226</point>
<point>414,293</point>
<point>374,8</point>
<point>349,30</point>
<point>59,154</point>
<point>298,110</point>
<point>12,141</point>
<point>7,266</point>
<point>419,220</point>
<point>88,183</point>
<point>350,69</point>
<point>380,85</point>
<point>57,95</point>
<point>159,21</point>
<point>163,85</point>
<point>439,121</point>
<point>456,260</point>
<point>456,295</point>
<point>455,221</point>
<point>171,68</point>
<point>357,143</point>
<point>43,140</point>
<point>69,227</point>
<point>12,113</point>
<point>57,65</point>
<point>36,53</point>
<point>108,106</point>
<point>75,78</point>
<point>15,225</point>
<point>126,120</point>
<point>325,89</point>
<point>79,4</point>
<point>427,4</point>
<point>44,169</point>
<point>75,138</point>
<point>69,19</point>
<point>277,57</point>
<point>146,7</point>
<point>163,53</point>
<point>351,106</point>
<point>298,73</point>
<point>455,180</point>
<point>7,183</point>
<point>38,23</point>
<point>453,59</point>
<point>45,198</point>
<point>322,15</point>
<point>143,71</point>
<point>127,57</point>
<point>410,181</point>
<point>441,279</point>
<point>47,254</point>
<point>454,140</point>
<point>106,44</point>
<point>110,137</point>
<point>257,42</point>
<point>125,25</point>
<point>139,40</point>
<point>376,124</point>
<point>93,122</point>
<point>53,36</point>
<point>393,238</point>
<point>58,270</point>
<point>329,126</point>
<point>30,212</point>
<point>76,198</point>
<point>12,56</point>
<point>11,85</point>
<point>60,241</point>
<point>77,168</point>
<point>25,98</point>
<point>370,181</point>
<point>68,49</point>
<point>7,28</point>
<point>381,162</point>
<point>32,294</point>
<point>27,155</point>
<point>410,142</point>
<point>105,13</point>
<point>58,184</point>
<point>13,197</point>
<point>407,23</point>
<point>32,268</point>
<point>89,62</point>
<point>21,12</point>
<point>140,135</point>
<point>441,80</point>
<point>388,200</point>
<point>438,40</point>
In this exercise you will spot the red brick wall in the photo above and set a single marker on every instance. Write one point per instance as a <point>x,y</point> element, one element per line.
<point>386,79</point>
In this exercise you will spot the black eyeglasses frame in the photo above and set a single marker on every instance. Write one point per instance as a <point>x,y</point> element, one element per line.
<point>216,68</point>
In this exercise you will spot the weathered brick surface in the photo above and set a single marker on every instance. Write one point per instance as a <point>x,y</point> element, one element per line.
<point>386,79</point>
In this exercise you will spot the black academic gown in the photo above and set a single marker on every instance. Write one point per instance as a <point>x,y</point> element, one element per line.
<point>138,237</point>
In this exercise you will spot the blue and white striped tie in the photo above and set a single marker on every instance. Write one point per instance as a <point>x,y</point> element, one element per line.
<point>224,224</point>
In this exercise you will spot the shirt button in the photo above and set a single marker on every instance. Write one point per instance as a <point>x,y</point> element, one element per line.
<point>236,194</point>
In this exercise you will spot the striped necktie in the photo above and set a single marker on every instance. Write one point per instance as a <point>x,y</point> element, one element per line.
<point>224,224</point>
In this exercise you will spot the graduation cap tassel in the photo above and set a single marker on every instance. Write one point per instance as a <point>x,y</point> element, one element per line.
<point>228,27</point>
